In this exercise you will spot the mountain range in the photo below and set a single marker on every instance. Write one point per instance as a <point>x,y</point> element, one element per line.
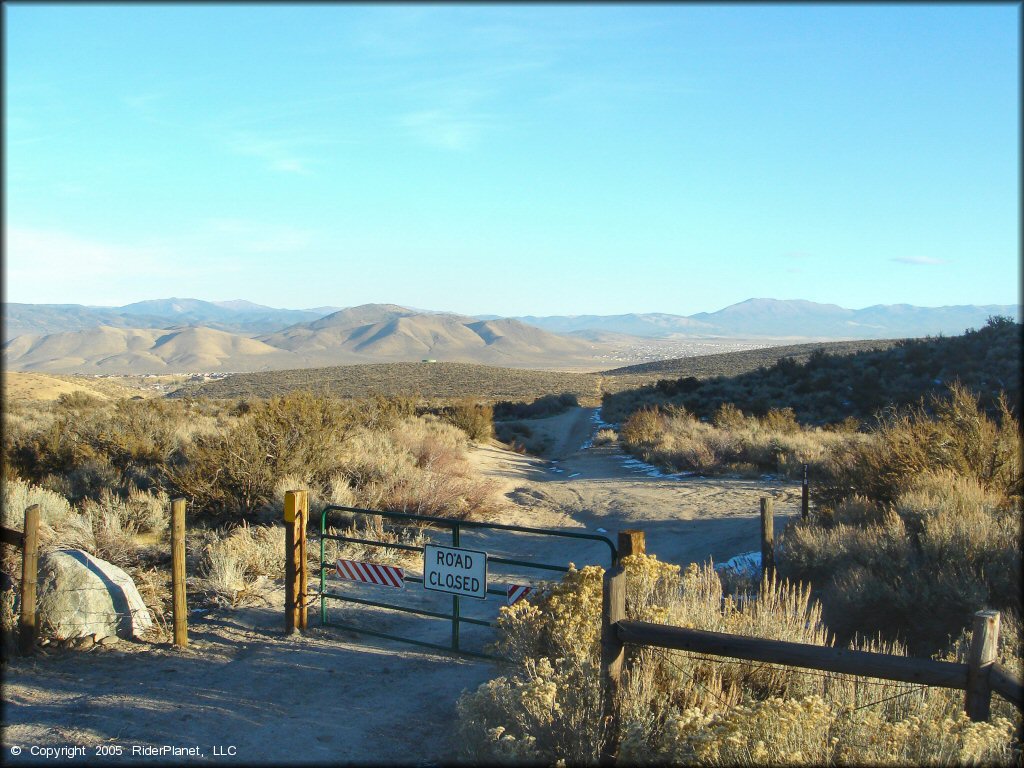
<point>775,318</point>
<point>178,335</point>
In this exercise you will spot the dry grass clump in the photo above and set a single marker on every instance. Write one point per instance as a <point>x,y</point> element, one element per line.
<point>59,524</point>
<point>733,442</point>
<point>238,565</point>
<point>374,528</point>
<point>952,433</point>
<point>681,708</point>
<point>606,437</point>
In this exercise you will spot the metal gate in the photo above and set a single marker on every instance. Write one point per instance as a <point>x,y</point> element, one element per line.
<point>428,526</point>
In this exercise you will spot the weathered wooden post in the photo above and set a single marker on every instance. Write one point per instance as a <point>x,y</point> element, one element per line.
<point>767,536</point>
<point>28,631</point>
<point>613,609</point>
<point>981,656</point>
<point>303,562</point>
<point>180,605</point>
<point>805,501</point>
<point>295,513</point>
<point>632,542</point>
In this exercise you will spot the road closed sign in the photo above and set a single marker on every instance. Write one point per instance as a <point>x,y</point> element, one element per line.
<point>456,571</point>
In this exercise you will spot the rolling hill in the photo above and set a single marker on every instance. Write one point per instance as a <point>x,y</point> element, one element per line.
<point>141,350</point>
<point>367,334</point>
<point>388,333</point>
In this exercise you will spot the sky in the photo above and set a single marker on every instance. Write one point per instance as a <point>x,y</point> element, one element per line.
<point>512,159</point>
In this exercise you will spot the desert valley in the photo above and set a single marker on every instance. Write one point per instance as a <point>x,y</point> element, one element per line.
<point>512,384</point>
<point>380,407</point>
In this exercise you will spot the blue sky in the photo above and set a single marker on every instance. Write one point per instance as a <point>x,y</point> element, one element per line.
<point>519,159</point>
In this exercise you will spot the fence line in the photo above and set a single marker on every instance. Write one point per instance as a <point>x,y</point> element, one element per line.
<point>978,678</point>
<point>28,542</point>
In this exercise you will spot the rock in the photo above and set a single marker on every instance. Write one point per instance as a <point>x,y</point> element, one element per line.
<point>83,643</point>
<point>81,595</point>
<point>109,640</point>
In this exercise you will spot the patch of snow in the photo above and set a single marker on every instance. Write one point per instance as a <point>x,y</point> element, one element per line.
<point>599,424</point>
<point>748,564</point>
<point>650,470</point>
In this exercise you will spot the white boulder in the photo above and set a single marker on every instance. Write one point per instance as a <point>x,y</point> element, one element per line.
<point>80,595</point>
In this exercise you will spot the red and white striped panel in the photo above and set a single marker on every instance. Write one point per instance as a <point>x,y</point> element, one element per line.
<point>517,592</point>
<point>371,573</point>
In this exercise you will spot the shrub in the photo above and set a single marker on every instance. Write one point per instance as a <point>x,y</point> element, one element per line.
<point>643,428</point>
<point>679,708</point>
<point>546,405</point>
<point>233,565</point>
<point>59,524</point>
<point>946,547</point>
<point>473,418</point>
<point>678,441</point>
<point>235,471</point>
<point>958,438</point>
<point>113,529</point>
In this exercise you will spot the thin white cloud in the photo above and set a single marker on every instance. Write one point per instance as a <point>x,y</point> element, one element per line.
<point>919,260</point>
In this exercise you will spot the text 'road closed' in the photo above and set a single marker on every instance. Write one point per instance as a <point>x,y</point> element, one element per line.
<point>456,571</point>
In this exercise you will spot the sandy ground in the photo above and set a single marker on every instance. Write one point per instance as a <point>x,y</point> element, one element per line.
<point>244,692</point>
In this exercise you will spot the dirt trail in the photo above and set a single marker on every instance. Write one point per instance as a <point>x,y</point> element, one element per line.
<point>333,696</point>
<point>687,519</point>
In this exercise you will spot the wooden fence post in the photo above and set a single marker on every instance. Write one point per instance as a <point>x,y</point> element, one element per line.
<point>613,609</point>
<point>180,605</point>
<point>632,542</point>
<point>982,654</point>
<point>805,501</point>
<point>28,626</point>
<point>295,506</point>
<point>767,536</point>
<point>303,562</point>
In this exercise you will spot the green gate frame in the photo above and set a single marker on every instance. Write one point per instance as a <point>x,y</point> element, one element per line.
<point>456,526</point>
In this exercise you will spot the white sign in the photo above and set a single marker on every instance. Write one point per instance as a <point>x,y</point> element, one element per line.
<point>456,571</point>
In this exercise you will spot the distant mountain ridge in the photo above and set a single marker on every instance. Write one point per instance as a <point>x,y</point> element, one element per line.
<point>751,318</point>
<point>238,316</point>
<point>172,335</point>
<point>372,333</point>
<point>789,318</point>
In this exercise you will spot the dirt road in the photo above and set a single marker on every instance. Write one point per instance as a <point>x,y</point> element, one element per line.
<point>243,692</point>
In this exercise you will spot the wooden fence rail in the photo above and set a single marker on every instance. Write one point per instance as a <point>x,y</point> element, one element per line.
<point>978,678</point>
<point>908,670</point>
